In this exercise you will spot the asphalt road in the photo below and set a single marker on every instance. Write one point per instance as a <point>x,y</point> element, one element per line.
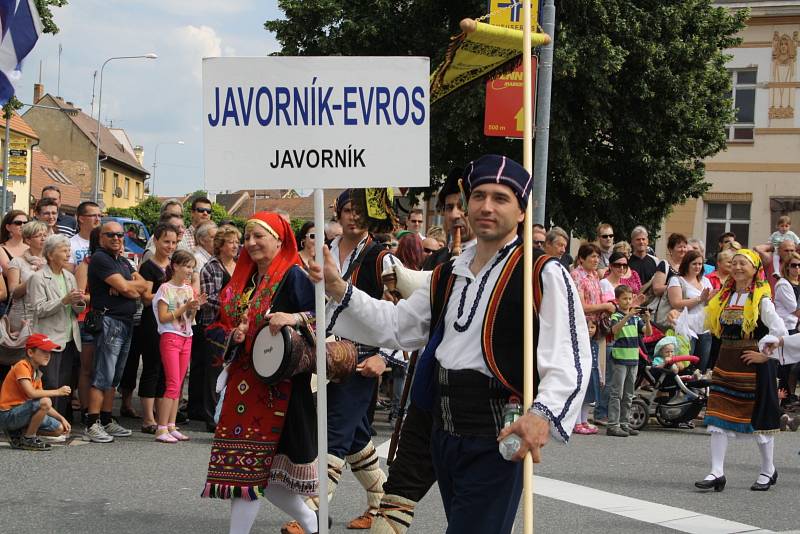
<point>137,486</point>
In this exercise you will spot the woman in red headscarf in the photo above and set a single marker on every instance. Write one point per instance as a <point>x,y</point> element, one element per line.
<point>265,441</point>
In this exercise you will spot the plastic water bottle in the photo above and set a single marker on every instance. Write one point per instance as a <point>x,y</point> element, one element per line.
<point>511,443</point>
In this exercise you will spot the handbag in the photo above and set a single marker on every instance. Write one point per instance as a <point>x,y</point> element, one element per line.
<point>12,344</point>
<point>93,321</point>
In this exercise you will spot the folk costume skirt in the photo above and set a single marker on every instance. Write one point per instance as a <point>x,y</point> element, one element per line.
<point>743,398</point>
<point>265,435</point>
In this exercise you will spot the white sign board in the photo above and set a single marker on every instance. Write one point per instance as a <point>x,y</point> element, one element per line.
<point>315,122</point>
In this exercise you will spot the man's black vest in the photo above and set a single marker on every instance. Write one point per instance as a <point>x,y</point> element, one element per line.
<point>502,330</point>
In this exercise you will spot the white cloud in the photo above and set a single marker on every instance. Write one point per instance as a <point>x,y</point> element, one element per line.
<point>190,44</point>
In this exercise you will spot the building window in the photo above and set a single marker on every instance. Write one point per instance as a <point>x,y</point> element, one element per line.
<point>743,99</point>
<point>127,192</point>
<point>103,185</point>
<point>138,190</point>
<point>116,183</point>
<point>724,217</point>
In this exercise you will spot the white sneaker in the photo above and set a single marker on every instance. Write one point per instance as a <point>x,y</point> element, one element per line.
<point>54,439</point>
<point>116,430</point>
<point>97,434</point>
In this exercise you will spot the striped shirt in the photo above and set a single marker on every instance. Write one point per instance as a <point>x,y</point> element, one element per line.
<point>626,341</point>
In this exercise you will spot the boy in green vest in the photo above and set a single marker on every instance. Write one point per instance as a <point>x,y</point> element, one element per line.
<point>628,324</point>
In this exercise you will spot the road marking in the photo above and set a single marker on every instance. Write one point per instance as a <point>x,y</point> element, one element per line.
<point>640,510</point>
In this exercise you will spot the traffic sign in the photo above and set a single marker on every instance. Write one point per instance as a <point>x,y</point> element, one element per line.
<point>503,112</point>
<point>508,13</point>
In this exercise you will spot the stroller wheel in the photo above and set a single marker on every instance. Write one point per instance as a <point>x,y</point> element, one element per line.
<point>639,414</point>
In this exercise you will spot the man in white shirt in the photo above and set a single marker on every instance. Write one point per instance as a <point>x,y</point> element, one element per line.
<point>88,214</point>
<point>470,322</point>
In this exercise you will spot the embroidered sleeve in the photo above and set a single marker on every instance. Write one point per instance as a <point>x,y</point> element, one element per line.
<point>564,355</point>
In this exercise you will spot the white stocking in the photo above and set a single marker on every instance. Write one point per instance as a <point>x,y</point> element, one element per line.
<point>294,505</point>
<point>243,515</point>
<point>584,413</point>
<point>719,445</point>
<point>767,466</point>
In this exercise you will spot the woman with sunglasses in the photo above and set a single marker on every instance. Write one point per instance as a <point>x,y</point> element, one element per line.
<point>306,243</point>
<point>11,242</point>
<point>619,273</point>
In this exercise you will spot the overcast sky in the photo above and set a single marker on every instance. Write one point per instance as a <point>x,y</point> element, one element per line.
<point>155,101</point>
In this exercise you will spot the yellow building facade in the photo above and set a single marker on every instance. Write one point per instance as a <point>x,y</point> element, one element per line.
<point>757,179</point>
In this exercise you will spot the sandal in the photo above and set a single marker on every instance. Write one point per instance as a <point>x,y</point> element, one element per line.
<point>173,431</point>
<point>163,436</point>
<point>149,429</point>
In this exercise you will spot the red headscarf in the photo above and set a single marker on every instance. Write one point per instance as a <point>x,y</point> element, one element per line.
<point>235,303</point>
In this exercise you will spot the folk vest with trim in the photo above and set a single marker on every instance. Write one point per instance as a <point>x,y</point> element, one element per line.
<point>502,330</point>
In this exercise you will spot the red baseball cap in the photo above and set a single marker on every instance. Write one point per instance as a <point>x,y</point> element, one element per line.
<point>41,341</point>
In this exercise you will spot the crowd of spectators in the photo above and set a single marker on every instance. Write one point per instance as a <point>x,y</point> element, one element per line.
<point>102,316</point>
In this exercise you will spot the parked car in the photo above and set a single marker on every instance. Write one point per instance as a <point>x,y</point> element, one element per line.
<point>136,234</point>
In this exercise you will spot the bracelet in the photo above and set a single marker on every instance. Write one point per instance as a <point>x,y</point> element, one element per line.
<point>539,413</point>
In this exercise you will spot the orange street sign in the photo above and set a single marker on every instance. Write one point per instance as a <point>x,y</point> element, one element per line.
<point>503,112</point>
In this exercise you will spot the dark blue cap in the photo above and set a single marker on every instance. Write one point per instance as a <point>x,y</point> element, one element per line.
<point>343,198</point>
<point>494,169</point>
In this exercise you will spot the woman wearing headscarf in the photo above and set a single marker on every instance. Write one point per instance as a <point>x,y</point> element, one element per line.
<point>265,442</point>
<point>743,398</point>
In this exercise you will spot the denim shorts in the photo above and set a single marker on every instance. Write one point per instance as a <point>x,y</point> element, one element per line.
<point>18,417</point>
<point>111,351</point>
<point>86,336</point>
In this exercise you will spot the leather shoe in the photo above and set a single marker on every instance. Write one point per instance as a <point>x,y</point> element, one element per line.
<point>757,486</point>
<point>717,483</point>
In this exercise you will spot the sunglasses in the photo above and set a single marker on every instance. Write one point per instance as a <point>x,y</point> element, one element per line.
<point>203,210</point>
<point>112,235</point>
<point>620,265</point>
<point>428,250</point>
<point>311,236</point>
<point>794,265</point>
<point>18,223</point>
<point>538,243</point>
<point>607,236</point>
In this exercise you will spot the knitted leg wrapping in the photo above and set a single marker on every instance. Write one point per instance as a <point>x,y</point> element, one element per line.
<point>394,515</point>
<point>335,467</point>
<point>367,470</point>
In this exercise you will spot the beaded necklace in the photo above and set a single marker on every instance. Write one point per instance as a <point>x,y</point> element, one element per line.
<point>500,256</point>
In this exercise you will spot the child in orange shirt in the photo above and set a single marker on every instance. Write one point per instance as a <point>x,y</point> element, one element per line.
<point>25,405</point>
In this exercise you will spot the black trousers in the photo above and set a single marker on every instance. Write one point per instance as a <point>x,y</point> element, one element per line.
<point>59,373</point>
<point>197,375</point>
<point>128,382</point>
<point>480,490</point>
<point>411,474</point>
<point>211,371</point>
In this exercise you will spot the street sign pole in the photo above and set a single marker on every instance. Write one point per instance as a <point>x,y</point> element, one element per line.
<point>6,147</point>
<point>322,370</point>
<point>545,77</point>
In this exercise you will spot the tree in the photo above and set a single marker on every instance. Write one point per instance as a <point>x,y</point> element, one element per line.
<point>640,94</point>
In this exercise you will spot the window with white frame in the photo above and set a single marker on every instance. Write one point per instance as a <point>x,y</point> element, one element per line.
<point>722,217</point>
<point>743,100</point>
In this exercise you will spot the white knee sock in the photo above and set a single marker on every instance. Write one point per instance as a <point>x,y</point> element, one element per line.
<point>294,505</point>
<point>584,413</point>
<point>243,515</point>
<point>767,465</point>
<point>719,445</point>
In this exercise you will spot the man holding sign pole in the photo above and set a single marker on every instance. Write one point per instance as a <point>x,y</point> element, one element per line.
<point>469,322</point>
<point>360,260</point>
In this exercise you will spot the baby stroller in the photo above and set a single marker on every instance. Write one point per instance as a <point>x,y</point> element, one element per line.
<point>673,397</point>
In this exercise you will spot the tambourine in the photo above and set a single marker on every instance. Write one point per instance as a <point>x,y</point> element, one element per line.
<point>289,353</point>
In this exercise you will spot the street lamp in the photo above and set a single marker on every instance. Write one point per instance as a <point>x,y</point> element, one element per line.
<point>99,107</point>
<point>155,164</point>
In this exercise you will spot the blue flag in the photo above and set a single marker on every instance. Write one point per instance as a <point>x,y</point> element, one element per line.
<point>21,28</point>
